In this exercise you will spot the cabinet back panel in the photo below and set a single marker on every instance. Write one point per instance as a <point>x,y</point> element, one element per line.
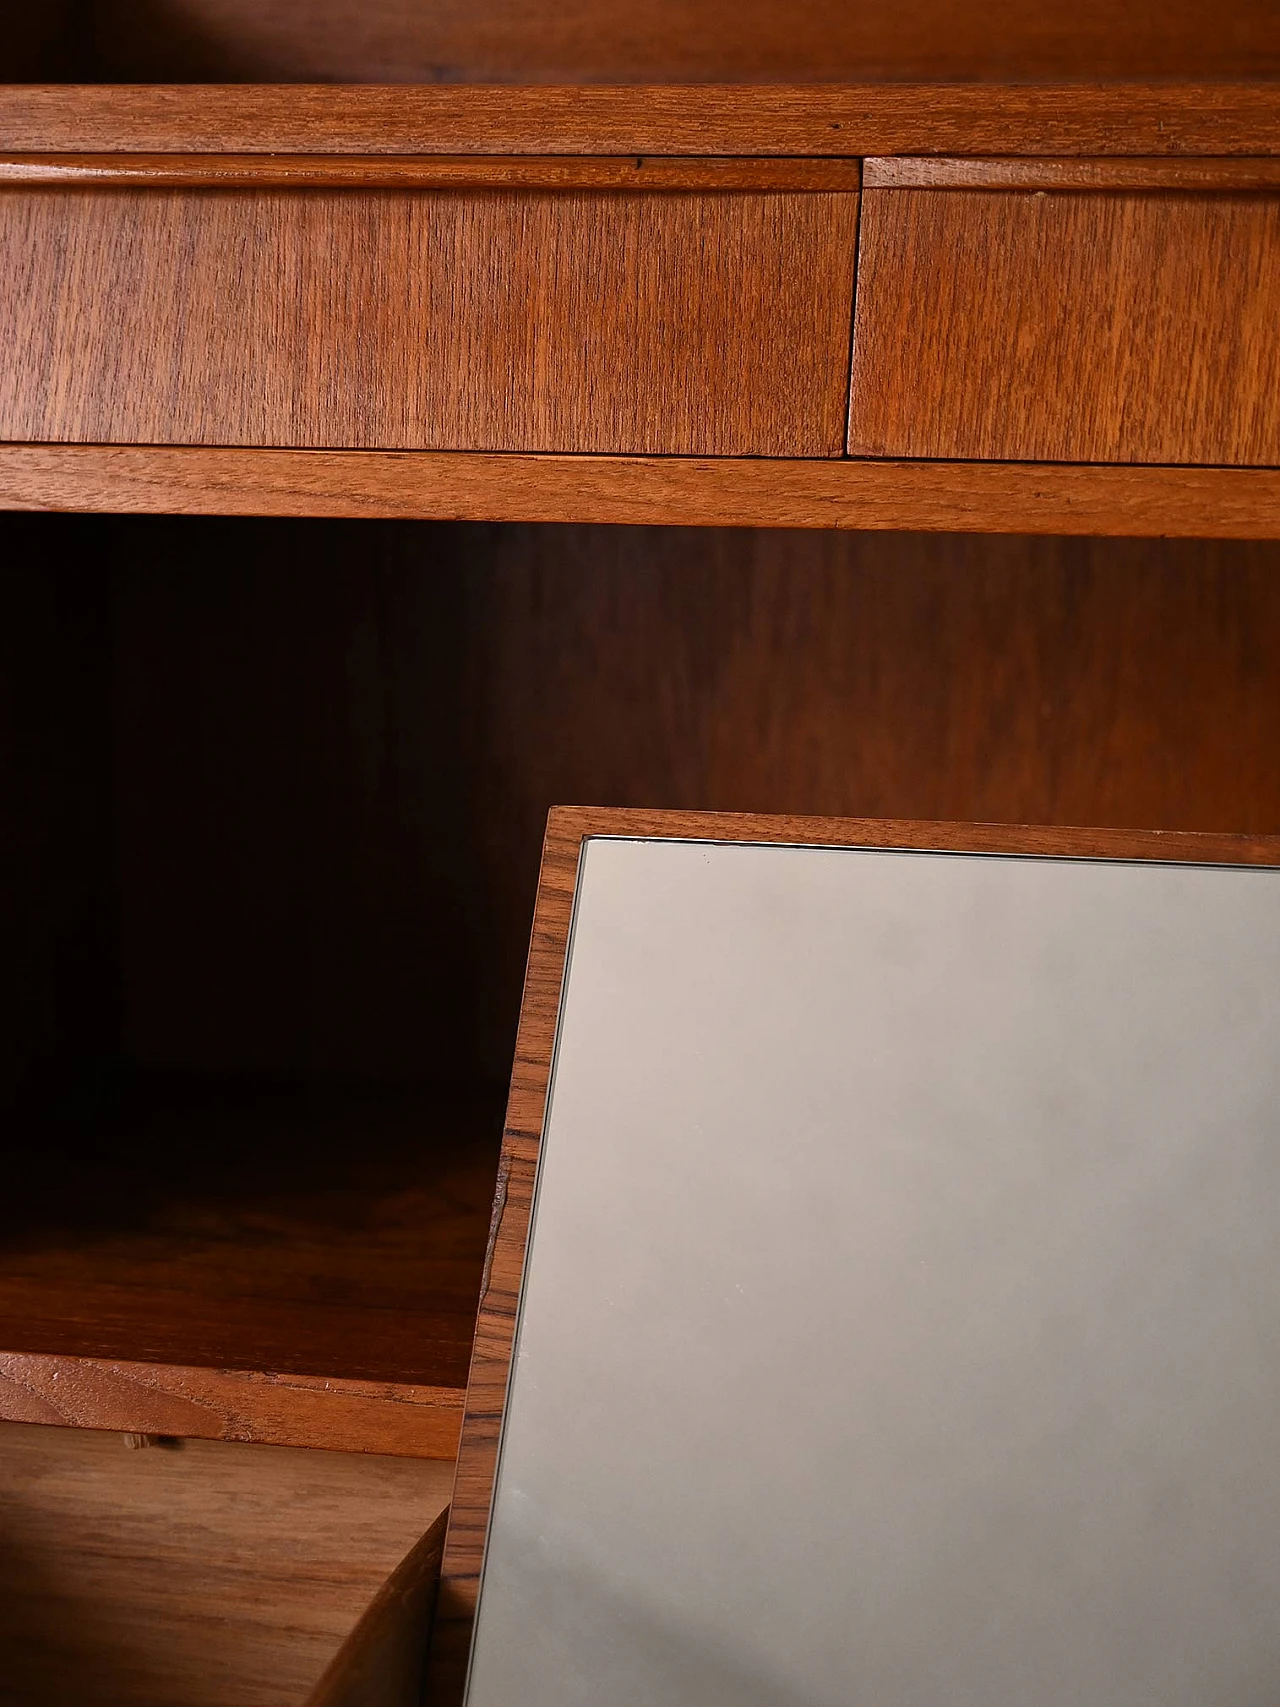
<point>50,43</point>
<point>1110,682</point>
<point>291,781</point>
<point>337,743</point>
<point>651,41</point>
<point>58,944</point>
<point>702,324</point>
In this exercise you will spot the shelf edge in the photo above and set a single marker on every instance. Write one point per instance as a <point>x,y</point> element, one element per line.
<point>231,1404</point>
<point>953,497</point>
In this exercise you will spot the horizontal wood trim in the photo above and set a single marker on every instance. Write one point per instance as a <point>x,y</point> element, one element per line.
<point>901,173</point>
<point>421,172</point>
<point>701,119</point>
<point>231,1404</point>
<point>966,497</point>
<point>566,829</point>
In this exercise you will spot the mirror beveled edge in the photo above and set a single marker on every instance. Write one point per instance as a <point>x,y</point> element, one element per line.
<point>567,828</point>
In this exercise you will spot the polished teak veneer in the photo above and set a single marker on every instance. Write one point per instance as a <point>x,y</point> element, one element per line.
<point>1119,312</point>
<point>1106,298</point>
<point>666,322</point>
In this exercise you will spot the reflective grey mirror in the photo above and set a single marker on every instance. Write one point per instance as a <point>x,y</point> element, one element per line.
<point>901,1321</point>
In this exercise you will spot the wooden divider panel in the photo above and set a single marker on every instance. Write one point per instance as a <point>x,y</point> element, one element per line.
<point>703,323</point>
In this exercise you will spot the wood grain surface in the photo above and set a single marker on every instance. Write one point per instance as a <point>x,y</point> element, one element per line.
<point>938,173</point>
<point>677,40</point>
<point>383,1662</point>
<point>231,1404</point>
<point>495,1330</point>
<point>428,171</point>
<point>1075,328</point>
<point>195,1576</point>
<point>1053,117</point>
<point>542,321</point>
<point>1207,503</point>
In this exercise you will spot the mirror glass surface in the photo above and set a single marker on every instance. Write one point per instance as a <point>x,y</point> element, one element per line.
<point>901,1322</point>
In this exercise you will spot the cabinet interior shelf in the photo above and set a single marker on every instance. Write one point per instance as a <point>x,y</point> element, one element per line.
<point>296,1266</point>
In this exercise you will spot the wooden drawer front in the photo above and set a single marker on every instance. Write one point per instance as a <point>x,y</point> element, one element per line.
<point>1075,327</point>
<point>713,324</point>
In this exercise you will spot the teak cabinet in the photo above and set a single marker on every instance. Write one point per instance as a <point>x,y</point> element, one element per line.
<point>415,417</point>
<point>1001,311</point>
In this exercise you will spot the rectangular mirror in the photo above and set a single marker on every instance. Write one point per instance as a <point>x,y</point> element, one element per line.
<point>901,1317</point>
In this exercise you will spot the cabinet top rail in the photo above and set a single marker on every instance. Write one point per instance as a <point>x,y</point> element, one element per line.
<point>424,171</point>
<point>1114,119</point>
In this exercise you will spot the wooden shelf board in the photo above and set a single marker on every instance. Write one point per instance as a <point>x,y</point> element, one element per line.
<point>270,1251</point>
<point>961,497</point>
<point>231,1404</point>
